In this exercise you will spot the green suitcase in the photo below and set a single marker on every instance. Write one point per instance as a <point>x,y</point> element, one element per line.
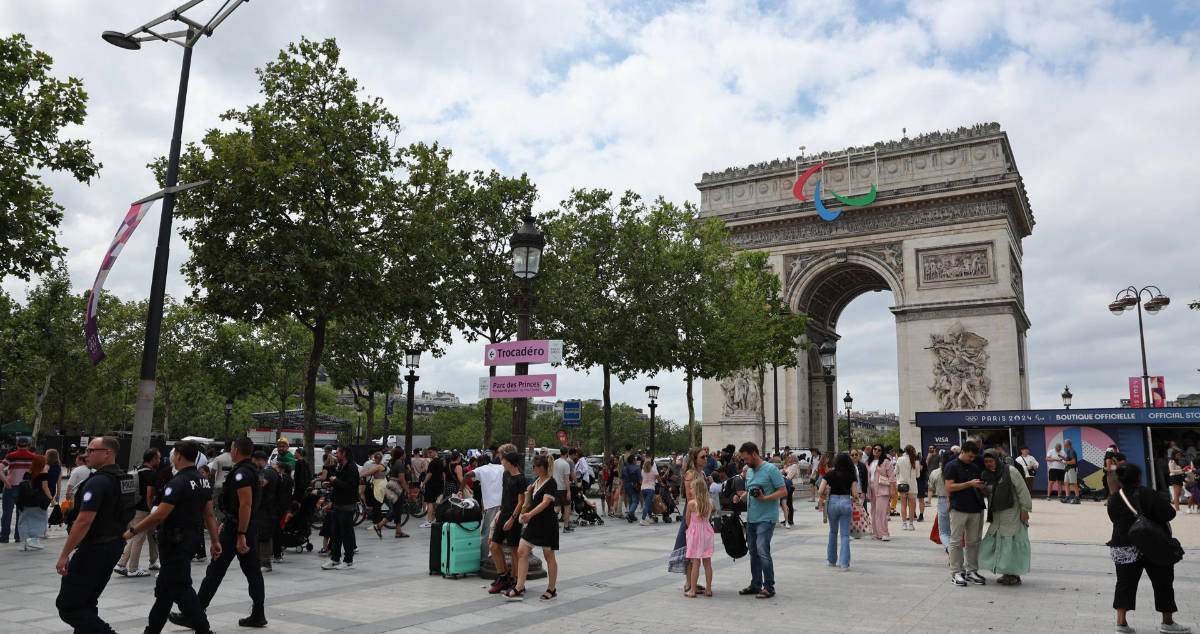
<point>460,549</point>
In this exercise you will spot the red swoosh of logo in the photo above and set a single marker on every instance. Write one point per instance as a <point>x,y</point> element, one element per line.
<point>798,188</point>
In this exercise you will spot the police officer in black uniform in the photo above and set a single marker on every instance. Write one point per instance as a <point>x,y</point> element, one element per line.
<point>186,504</point>
<point>95,537</point>
<point>239,501</point>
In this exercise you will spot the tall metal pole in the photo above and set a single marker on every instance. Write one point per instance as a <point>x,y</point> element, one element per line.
<point>143,413</point>
<point>849,430</point>
<point>521,405</point>
<point>1147,397</point>
<point>775,397</point>
<point>408,415</point>
<point>652,406</point>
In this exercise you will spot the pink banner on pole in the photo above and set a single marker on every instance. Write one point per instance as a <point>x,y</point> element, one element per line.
<point>525,386</point>
<point>1136,398</point>
<point>530,351</point>
<point>91,333</point>
<point>1158,392</point>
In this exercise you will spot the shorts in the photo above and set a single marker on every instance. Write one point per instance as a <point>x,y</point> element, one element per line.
<point>1056,475</point>
<point>1176,480</point>
<point>560,498</point>
<point>510,538</point>
<point>432,494</point>
<point>1071,476</point>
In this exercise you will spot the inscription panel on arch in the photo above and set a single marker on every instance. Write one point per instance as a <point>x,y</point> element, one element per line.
<point>956,266</point>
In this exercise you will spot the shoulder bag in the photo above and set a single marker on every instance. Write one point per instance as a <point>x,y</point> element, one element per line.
<point>1153,540</point>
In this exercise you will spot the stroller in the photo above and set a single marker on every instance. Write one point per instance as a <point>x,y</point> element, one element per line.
<point>297,523</point>
<point>585,511</point>
<point>670,506</point>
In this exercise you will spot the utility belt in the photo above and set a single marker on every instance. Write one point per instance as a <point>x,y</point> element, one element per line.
<point>176,535</point>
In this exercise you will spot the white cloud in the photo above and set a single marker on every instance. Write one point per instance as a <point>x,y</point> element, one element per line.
<point>1100,112</point>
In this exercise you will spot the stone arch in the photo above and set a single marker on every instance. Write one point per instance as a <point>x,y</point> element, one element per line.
<point>826,285</point>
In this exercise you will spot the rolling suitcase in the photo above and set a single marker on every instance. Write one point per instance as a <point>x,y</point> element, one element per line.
<point>435,548</point>
<point>460,549</point>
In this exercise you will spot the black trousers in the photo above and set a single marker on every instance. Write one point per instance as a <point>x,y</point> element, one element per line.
<point>87,575</point>
<point>1161,577</point>
<point>248,562</point>
<point>174,584</point>
<point>342,535</point>
<point>791,509</point>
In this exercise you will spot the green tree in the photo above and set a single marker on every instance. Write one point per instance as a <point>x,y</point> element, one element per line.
<point>481,284</point>
<point>47,332</point>
<point>34,107</point>
<point>365,358</point>
<point>307,214</point>
<point>286,344</point>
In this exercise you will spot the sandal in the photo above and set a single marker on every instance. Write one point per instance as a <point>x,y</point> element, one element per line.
<point>691,594</point>
<point>549,594</point>
<point>378,531</point>
<point>707,592</point>
<point>514,594</point>
<point>400,535</point>
<point>765,594</point>
<point>748,590</point>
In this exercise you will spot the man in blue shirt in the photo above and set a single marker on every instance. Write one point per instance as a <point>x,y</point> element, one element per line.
<point>710,464</point>
<point>764,488</point>
<point>1071,476</point>
<point>965,492</point>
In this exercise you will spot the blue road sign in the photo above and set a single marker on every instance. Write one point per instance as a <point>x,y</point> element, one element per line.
<point>572,414</point>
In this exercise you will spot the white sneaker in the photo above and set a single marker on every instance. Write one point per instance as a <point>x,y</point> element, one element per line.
<point>139,573</point>
<point>331,565</point>
<point>885,538</point>
<point>1173,628</point>
<point>348,565</point>
<point>121,570</point>
<point>155,566</point>
<point>426,525</point>
<point>1125,629</point>
<point>642,522</point>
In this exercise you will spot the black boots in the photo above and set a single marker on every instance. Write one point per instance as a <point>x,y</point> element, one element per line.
<point>257,618</point>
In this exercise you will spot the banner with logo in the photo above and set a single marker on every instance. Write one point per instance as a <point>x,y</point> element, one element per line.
<point>1158,392</point>
<point>91,333</point>
<point>1135,392</point>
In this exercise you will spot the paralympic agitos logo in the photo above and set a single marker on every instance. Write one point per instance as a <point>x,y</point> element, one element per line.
<point>826,214</point>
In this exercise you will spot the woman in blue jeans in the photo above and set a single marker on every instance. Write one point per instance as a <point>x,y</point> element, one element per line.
<point>649,480</point>
<point>841,485</point>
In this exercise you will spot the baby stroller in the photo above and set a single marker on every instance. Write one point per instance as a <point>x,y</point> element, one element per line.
<point>297,523</point>
<point>585,510</point>
<point>669,506</point>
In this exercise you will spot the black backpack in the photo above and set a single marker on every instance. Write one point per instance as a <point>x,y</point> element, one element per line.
<point>127,498</point>
<point>733,536</point>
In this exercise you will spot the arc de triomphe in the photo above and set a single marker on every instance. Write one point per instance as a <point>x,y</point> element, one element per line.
<point>942,235</point>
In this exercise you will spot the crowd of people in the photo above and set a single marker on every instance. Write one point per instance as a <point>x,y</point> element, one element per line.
<point>245,498</point>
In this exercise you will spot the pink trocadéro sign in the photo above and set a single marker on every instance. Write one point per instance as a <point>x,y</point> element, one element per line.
<point>523,386</point>
<point>530,351</point>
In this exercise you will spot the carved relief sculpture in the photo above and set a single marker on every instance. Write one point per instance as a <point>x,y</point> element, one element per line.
<point>960,369</point>
<point>741,395</point>
<point>957,265</point>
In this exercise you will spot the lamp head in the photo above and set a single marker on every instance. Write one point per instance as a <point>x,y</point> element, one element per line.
<point>412,358</point>
<point>827,351</point>
<point>121,40</point>
<point>848,400</point>
<point>652,391</point>
<point>527,244</point>
<point>228,404</point>
<point>1067,396</point>
<point>1117,307</point>
<point>1157,303</point>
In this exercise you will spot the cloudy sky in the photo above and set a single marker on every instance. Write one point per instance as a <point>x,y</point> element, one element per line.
<point>1099,99</point>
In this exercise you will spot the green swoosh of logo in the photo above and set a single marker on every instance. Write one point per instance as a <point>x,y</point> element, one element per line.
<point>861,201</point>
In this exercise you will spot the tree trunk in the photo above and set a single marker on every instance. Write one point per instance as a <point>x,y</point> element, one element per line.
<point>166,411</point>
<point>607,414</point>
<point>371,416</point>
<point>37,403</point>
<point>487,415</point>
<point>310,389</point>
<point>762,409</point>
<point>691,412</point>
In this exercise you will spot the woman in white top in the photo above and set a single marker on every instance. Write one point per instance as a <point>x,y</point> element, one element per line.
<point>937,491</point>
<point>791,475</point>
<point>1029,465</point>
<point>908,469</point>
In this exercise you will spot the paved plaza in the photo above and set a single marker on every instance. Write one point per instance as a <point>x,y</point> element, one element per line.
<point>613,579</point>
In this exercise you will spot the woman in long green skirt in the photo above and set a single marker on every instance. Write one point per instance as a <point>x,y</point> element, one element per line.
<point>1005,548</point>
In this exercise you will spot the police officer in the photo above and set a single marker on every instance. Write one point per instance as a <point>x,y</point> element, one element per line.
<point>186,503</point>
<point>239,500</point>
<point>95,538</point>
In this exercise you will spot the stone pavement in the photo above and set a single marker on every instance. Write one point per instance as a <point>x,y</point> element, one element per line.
<point>614,579</point>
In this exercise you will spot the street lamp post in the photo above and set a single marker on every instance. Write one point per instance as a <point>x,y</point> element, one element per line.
<point>143,413</point>
<point>357,423</point>
<point>527,244</point>
<point>412,359</point>
<point>652,392</point>
<point>1066,397</point>
<point>228,413</point>
<point>849,425</point>
<point>827,351</point>
<point>1132,296</point>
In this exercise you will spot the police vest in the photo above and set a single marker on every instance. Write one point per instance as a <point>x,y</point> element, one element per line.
<point>116,511</point>
<point>229,498</point>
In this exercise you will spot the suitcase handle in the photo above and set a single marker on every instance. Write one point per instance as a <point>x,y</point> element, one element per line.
<point>477,525</point>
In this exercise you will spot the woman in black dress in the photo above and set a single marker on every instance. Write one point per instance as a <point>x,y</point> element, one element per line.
<point>541,530</point>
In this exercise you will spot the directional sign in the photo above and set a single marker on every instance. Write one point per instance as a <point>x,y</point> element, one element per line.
<point>531,351</point>
<point>573,414</point>
<point>525,386</point>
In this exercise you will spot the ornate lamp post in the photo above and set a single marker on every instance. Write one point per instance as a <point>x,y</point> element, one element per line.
<point>652,392</point>
<point>1132,296</point>
<point>412,359</point>
<point>1066,397</point>
<point>143,413</point>
<point>827,351</point>
<point>849,425</point>
<point>527,244</point>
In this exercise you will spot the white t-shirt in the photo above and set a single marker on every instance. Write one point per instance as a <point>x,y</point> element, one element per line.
<point>221,466</point>
<point>583,472</point>
<point>714,490</point>
<point>562,473</point>
<point>1054,460</point>
<point>78,475</point>
<point>491,484</point>
<point>1028,463</point>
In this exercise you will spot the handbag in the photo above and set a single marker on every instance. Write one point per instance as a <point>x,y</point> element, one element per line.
<point>1152,540</point>
<point>935,535</point>
<point>859,524</point>
<point>56,516</point>
<point>902,487</point>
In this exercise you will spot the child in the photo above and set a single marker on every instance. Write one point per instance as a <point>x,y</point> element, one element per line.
<point>700,538</point>
<point>714,489</point>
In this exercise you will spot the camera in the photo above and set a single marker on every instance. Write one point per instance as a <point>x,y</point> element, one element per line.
<point>756,492</point>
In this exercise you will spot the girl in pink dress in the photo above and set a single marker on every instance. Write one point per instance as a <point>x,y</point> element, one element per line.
<point>700,538</point>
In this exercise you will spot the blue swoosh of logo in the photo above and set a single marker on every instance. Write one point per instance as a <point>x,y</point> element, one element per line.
<point>824,213</point>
